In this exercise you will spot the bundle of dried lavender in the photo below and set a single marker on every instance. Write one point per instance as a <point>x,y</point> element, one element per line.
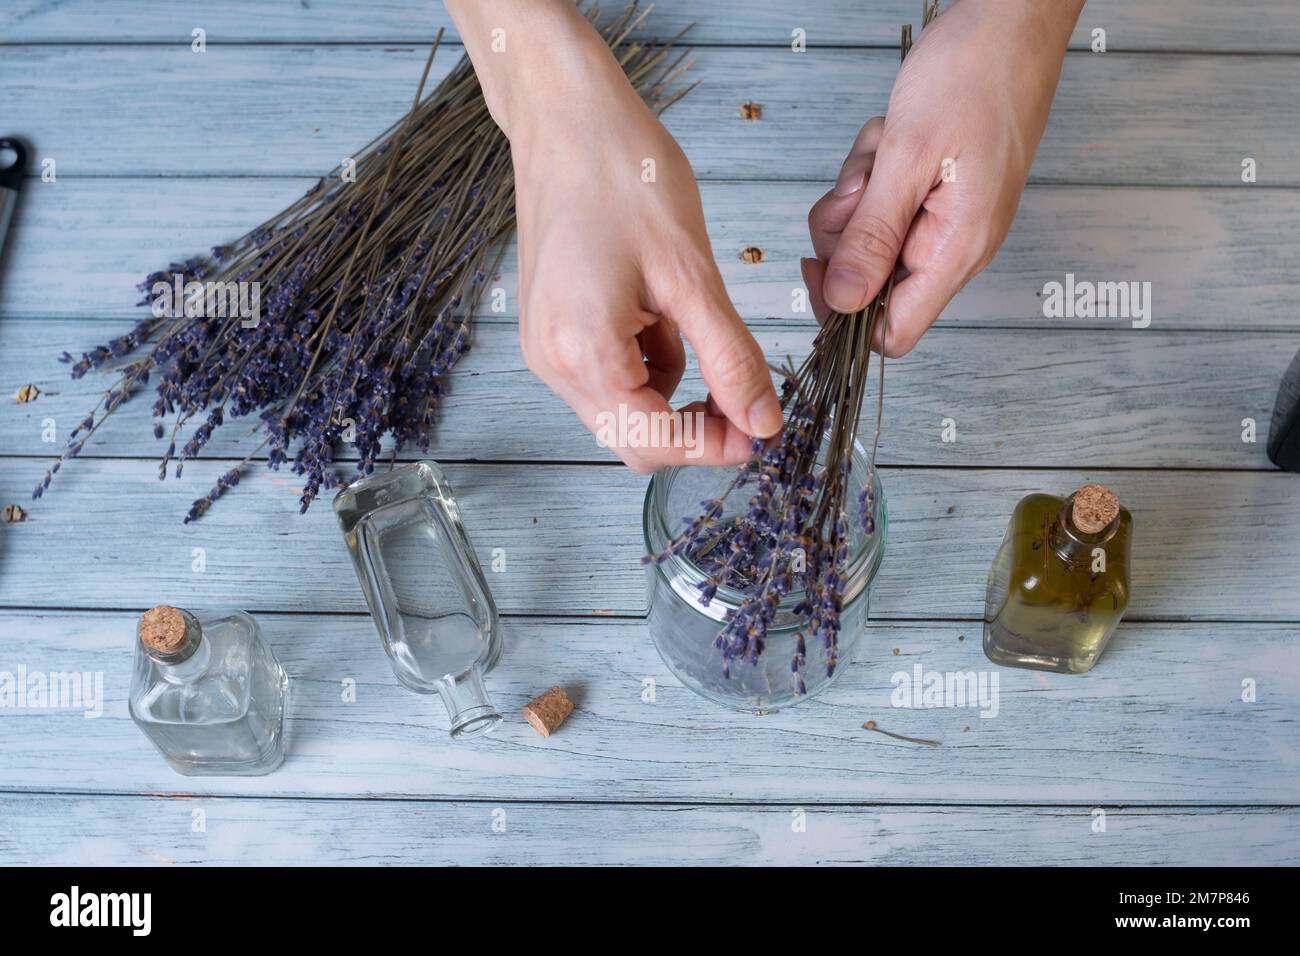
<point>795,532</point>
<point>367,286</point>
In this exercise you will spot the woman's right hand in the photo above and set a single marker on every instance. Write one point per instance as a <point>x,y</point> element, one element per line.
<point>614,258</point>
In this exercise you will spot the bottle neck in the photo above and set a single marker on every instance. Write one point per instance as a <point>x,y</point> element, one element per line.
<point>190,659</point>
<point>467,703</point>
<point>1072,545</point>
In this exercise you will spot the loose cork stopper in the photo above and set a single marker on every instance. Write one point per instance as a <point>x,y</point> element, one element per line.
<point>1095,507</point>
<point>548,711</point>
<point>162,629</point>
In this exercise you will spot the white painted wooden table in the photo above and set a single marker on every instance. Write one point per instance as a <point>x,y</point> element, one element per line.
<point>161,152</point>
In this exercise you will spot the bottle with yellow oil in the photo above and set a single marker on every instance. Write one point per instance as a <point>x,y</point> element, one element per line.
<point>1060,582</point>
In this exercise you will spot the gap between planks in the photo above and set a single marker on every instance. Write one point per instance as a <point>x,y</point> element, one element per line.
<point>1191,808</point>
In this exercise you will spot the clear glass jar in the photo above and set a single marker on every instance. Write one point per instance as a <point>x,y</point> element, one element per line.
<point>683,630</point>
<point>425,590</point>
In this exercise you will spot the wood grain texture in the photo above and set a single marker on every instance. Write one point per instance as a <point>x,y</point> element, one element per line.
<point>1270,25</point>
<point>1216,258</point>
<point>162,153</point>
<point>1135,398</point>
<point>1207,545</point>
<point>1159,720</point>
<point>160,831</point>
<point>1196,119</point>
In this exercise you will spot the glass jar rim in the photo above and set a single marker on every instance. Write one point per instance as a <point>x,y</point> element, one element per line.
<point>863,563</point>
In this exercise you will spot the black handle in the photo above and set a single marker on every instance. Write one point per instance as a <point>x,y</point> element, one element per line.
<point>11,176</point>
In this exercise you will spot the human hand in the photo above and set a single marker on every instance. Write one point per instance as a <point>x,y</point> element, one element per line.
<point>614,258</point>
<point>931,188</point>
<point>611,268</point>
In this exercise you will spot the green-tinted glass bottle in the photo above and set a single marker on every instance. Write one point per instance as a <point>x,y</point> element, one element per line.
<point>1059,584</point>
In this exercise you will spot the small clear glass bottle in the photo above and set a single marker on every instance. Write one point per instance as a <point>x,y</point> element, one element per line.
<point>425,590</point>
<point>208,692</point>
<point>1060,582</point>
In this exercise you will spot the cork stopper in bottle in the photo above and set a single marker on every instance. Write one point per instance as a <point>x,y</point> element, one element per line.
<point>548,711</point>
<point>1095,507</point>
<point>163,629</point>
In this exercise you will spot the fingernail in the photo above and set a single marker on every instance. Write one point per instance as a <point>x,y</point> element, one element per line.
<point>765,416</point>
<point>852,175</point>
<point>845,290</point>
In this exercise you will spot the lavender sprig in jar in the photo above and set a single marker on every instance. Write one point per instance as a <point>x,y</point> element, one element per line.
<point>687,613</point>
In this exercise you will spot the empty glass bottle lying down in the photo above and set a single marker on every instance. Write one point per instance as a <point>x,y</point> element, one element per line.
<point>424,588</point>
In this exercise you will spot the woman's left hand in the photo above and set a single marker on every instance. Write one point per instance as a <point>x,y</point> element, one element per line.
<point>932,187</point>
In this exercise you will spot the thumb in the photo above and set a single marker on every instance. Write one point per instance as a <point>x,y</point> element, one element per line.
<point>731,363</point>
<point>869,246</point>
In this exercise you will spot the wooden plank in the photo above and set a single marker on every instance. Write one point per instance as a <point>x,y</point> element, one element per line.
<point>1207,545</point>
<point>1032,399</point>
<point>1215,258</point>
<point>1193,25</point>
<point>153,831</point>
<point>1159,720</point>
<point>1196,118</point>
